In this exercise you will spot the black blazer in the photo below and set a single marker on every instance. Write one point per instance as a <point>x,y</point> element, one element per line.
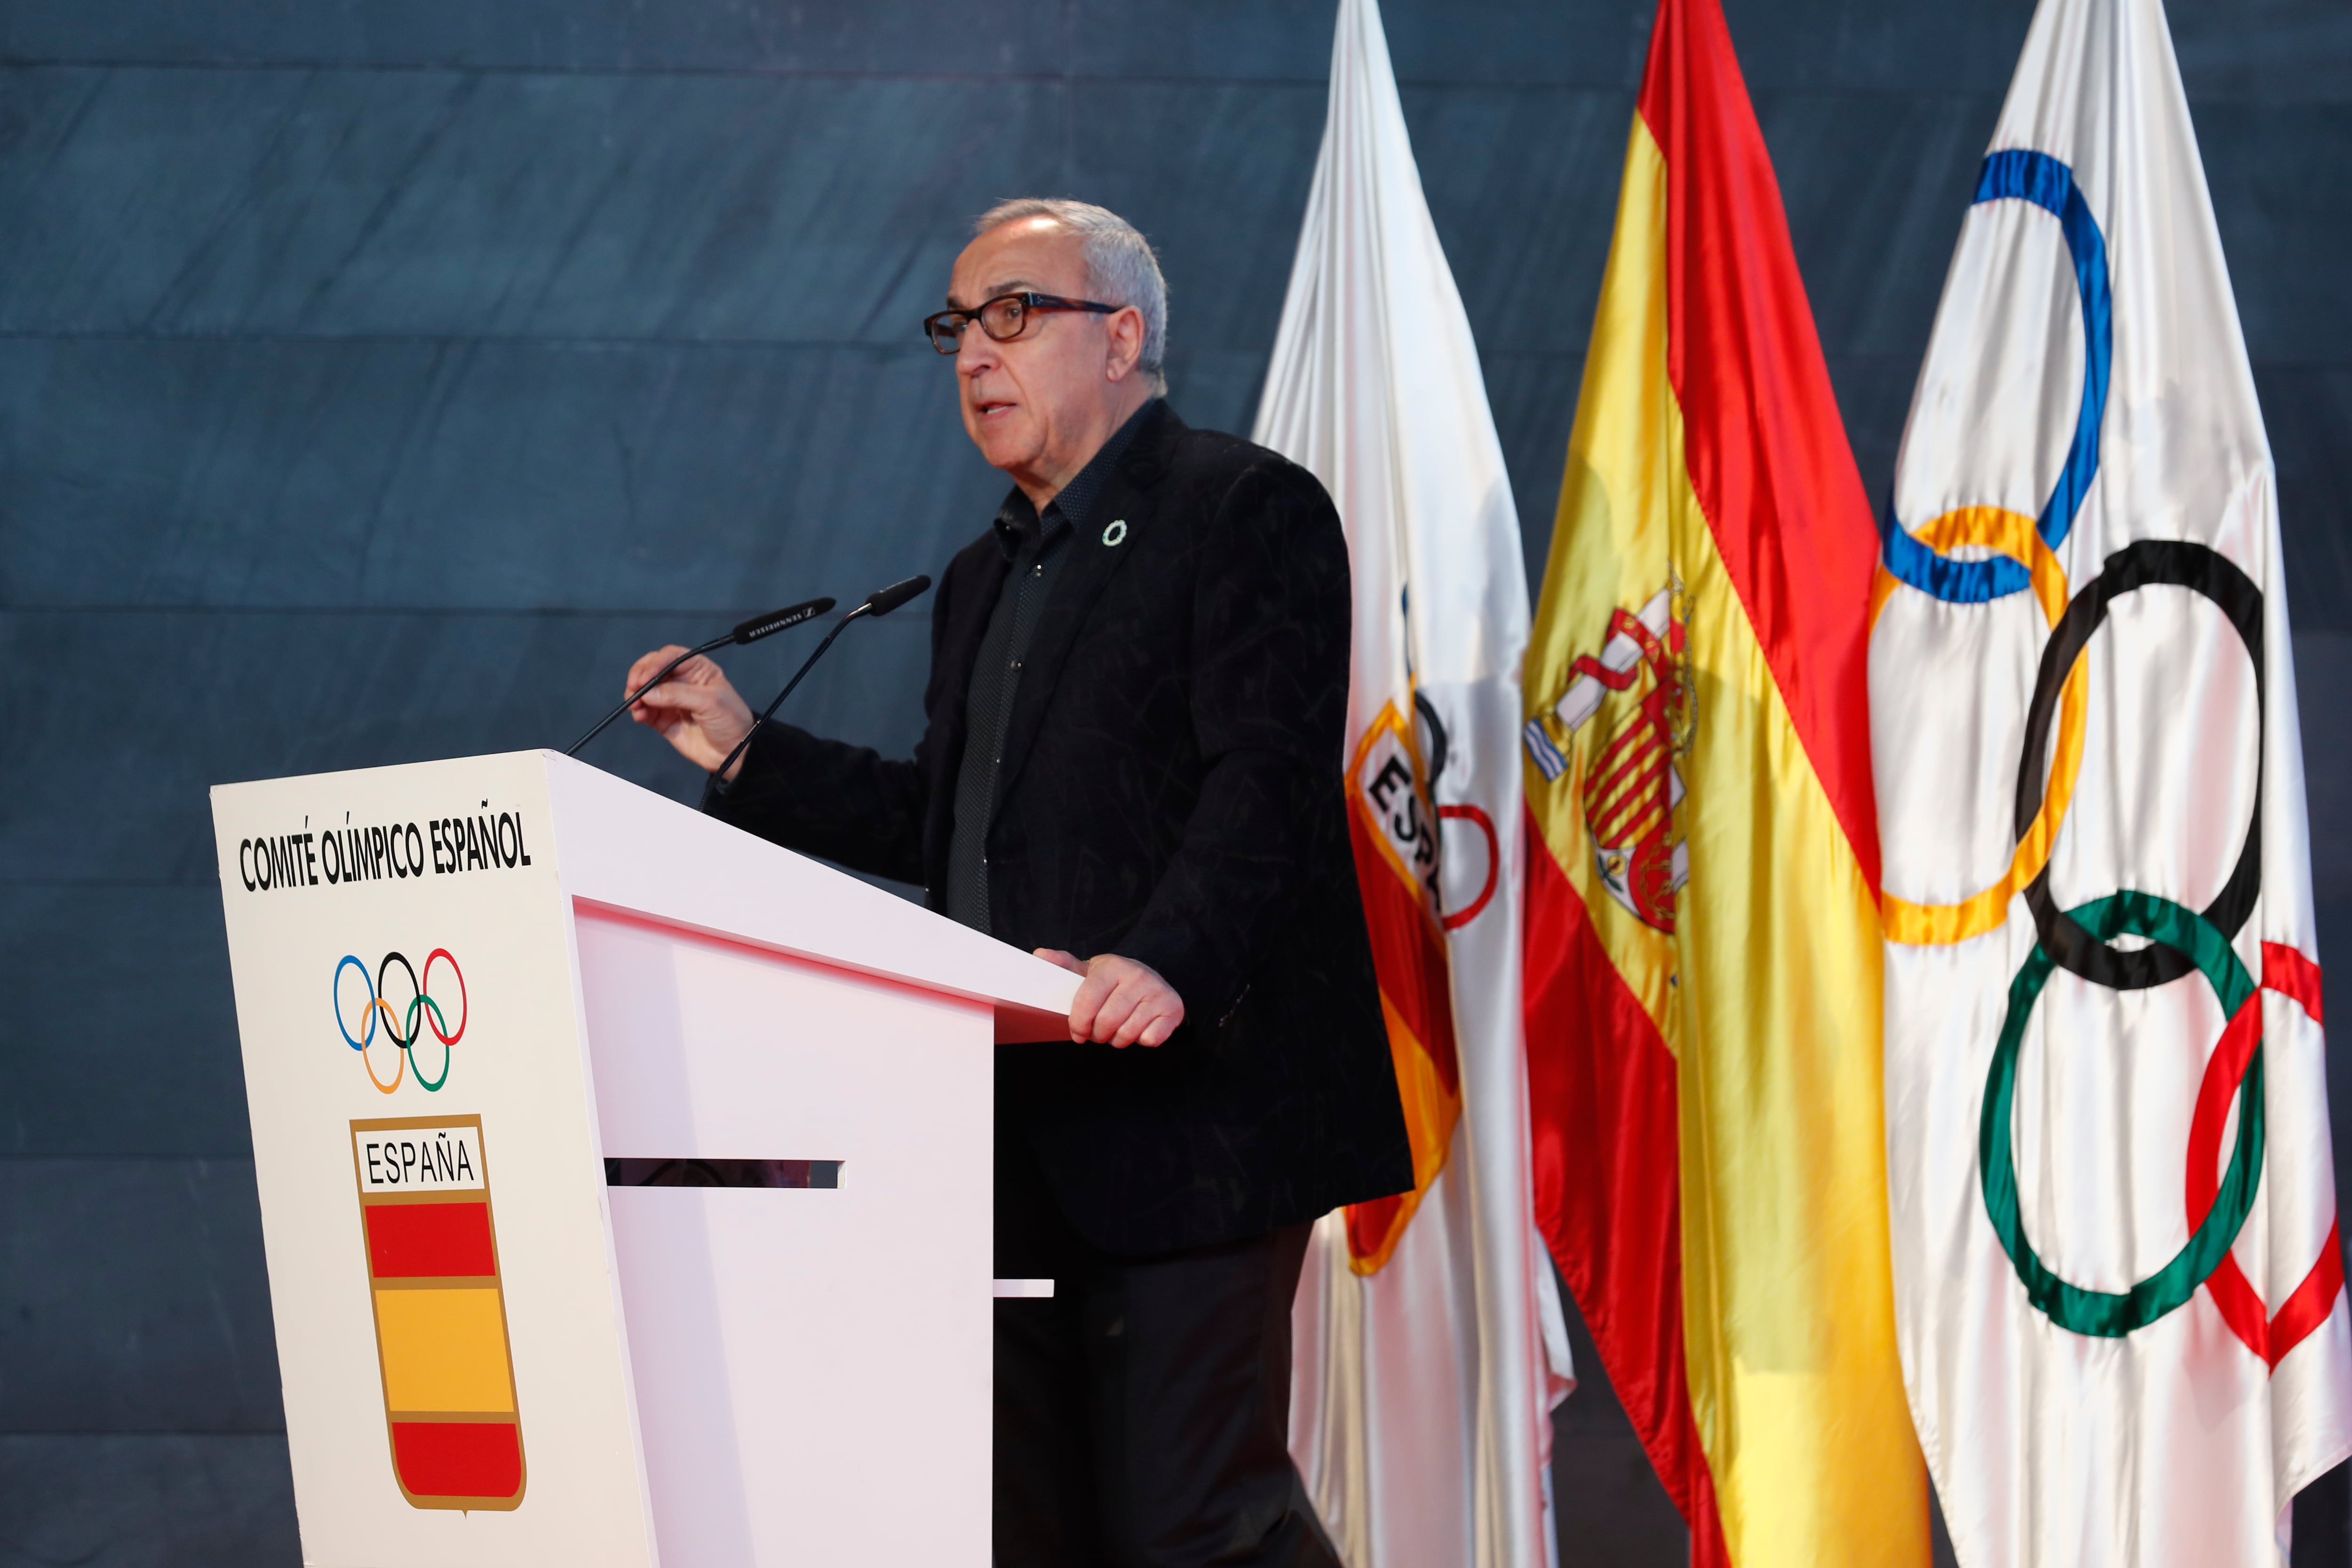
<point>1170,791</point>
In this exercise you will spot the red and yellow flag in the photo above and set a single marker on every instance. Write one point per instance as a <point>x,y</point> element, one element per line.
<point>1702,990</point>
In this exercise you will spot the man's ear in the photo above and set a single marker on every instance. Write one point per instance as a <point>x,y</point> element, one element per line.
<point>1126,328</point>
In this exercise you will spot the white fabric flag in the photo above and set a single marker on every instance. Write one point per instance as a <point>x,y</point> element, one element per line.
<point>2118,1279</point>
<point>1429,1344</point>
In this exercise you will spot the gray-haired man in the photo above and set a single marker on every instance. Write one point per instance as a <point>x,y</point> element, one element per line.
<point>1132,766</point>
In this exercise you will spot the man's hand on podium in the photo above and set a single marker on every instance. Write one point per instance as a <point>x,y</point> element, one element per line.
<point>1122,1003</point>
<point>697,709</point>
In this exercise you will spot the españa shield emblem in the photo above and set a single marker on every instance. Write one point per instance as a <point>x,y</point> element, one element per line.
<point>440,1306</point>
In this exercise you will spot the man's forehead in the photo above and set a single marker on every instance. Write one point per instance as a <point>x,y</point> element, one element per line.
<point>1010,283</point>
<point>1034,255</point>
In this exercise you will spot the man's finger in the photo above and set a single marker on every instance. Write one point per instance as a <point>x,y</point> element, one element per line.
<point>1139,1017</point>
<point>1158,1010</point>
<point>1084,1005</point>
<point>1112,1016</point>
<point>642,670</point>
<point>1060,960</point>
<point>694,702</point>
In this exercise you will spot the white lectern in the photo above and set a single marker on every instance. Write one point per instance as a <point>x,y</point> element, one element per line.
<point>626,1181</point>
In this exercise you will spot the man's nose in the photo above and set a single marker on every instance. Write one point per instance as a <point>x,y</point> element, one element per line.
<point>975,350</point>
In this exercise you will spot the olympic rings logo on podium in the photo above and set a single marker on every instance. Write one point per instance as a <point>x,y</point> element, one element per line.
<point>2019,555</point>
<point>406,1021</point>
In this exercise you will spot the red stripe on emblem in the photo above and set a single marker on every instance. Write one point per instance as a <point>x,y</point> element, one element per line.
<point>410,1241</point>
<point>458,1459</point>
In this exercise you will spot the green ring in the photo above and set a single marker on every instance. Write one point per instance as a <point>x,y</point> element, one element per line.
<point>415,1067</point>
<point>2102,1313</point>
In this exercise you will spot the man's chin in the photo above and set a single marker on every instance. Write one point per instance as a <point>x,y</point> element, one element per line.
<point>1007,448</point>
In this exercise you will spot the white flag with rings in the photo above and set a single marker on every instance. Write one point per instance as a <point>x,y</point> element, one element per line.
<point>2119,1274</point>
<point>1428,1343</point>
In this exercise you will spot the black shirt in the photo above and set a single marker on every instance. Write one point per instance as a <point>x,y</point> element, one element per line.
<point>1033,545</point>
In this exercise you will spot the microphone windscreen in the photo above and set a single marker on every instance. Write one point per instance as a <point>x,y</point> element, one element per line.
<point>774,621</point>
<point>882,601</point>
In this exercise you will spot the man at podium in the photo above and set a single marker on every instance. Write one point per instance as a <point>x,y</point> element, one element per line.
<point>1131,764</point>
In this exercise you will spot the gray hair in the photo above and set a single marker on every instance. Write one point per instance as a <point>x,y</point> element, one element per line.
<point>1120,266</point>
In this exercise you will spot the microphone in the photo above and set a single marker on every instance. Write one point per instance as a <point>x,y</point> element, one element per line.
<point>746,632</point>
<point>881,602</point>
<point>776,621</point>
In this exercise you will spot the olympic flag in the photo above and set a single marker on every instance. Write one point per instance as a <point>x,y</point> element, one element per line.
<point>2118,1277</point>
<point>1427,1328</point>
<point>1703,945</point>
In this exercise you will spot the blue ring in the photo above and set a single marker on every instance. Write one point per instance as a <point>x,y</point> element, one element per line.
<point>2021,174</point>
<point>336,996</point>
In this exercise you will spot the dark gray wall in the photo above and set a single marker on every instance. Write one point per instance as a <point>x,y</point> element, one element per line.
<point>378,376</point>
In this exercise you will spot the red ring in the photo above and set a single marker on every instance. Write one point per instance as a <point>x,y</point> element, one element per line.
<point>2241,1306</point>
<point>464,1006</point>
<point>1461,918</point>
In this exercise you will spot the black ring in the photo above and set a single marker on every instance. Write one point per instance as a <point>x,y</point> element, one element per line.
<point>1436,740</point>
<point>2150,563</point>
<point>414,991</point>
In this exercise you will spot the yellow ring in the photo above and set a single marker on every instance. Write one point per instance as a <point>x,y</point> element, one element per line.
<point>400,1051</point>
<point>2014,535</point>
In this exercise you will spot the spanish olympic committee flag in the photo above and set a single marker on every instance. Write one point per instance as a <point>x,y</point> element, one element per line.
<point>1427,1329</point>
<point>1703,945</point>
<point>2119,1281</point>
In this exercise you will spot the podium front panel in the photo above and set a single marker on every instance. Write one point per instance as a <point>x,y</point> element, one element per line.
<point>450,1339</point>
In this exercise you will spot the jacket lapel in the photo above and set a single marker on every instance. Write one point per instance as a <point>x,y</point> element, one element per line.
<point>1130,496</point>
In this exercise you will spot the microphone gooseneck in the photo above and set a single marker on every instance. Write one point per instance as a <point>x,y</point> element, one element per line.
<point>749,631</point>
<point>881,602</point>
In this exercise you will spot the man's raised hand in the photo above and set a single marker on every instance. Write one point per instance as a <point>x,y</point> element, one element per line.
<point>696,710</point>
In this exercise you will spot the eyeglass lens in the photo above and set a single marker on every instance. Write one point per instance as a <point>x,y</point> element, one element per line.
<point>1002,320</point>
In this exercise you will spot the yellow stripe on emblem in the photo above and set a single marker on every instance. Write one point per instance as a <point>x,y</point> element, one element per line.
<point>444,1351</point>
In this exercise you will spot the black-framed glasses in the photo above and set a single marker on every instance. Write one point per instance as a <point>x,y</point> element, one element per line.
<point>1004,318</point>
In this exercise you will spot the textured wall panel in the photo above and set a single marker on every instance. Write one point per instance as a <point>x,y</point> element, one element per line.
<point>132,1298</point>
<point>1523,186</point>
<point>195,698</point>
<point>2270,51</point>
<point>127,1032</point>
<point>1875,190</point>
<point>2277,171</point>
<point>2308,412</point>
<point>1217,174</point>
<point>1864,47</point>
<point>990,37</point>
<point>146,1500</point>
<point>448,474</point>
<point>451,203</point>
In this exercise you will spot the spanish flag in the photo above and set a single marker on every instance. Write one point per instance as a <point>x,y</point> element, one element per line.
<point>1703,949</point>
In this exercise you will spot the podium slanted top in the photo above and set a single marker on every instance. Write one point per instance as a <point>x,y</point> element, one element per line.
<point>625,850</point>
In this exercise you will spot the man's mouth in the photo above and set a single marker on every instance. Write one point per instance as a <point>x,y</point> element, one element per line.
<point>988,407</point>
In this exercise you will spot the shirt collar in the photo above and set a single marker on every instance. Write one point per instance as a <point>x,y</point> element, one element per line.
<point>1017,523</point>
